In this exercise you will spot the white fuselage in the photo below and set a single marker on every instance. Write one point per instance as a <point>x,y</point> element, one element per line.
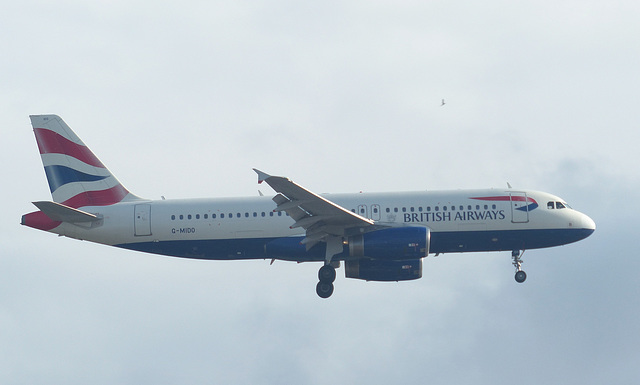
<point>240,228</point>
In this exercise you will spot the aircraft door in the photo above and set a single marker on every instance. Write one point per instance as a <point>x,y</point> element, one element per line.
<point>519,207</point>
<point>142,220</point>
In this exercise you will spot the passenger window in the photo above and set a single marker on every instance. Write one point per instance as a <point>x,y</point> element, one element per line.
<point>197,216</point>
<point>375,210</point>
<point>388,210</point>
<point>173,217</point>
<point>221,215</point>
<point>461,208</point>
<point>437,208</point>
<point>420,208</point>
<point>395,209</point>
<point>404,209</point>
<point>263,214</point>
<point>477,207</point>
<point>469,207</point>
<point>444,208</point>
<point>493,207</point>
<point>255,214</point>
<point>189,216</point>
<point>213,216</point>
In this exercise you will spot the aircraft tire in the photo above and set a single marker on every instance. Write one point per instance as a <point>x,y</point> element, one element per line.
<point>327,274</point>
<point>324,290</point>
<point>521,276</point>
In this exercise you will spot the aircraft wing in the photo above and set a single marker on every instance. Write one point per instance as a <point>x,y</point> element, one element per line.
<point>318,216</point>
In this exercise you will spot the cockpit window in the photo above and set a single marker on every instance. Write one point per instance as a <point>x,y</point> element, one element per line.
<point>557,205</point>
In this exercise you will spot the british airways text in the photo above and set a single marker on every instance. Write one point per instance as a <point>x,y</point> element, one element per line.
<point>455,216</point>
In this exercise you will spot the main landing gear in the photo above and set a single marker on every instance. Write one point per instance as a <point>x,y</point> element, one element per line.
<point>520,276</point>
<point>326,275</point>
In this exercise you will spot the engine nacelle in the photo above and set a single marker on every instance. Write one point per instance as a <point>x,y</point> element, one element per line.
<point>396,243</point>
<point>383,270</point>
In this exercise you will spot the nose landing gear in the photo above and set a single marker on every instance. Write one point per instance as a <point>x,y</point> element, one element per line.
<point>520,276</point>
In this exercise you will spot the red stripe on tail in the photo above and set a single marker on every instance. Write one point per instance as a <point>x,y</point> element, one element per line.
<point>98,198</point>
<point>50,142</point>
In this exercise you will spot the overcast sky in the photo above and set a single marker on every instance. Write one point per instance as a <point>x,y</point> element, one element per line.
<point>182,99</point>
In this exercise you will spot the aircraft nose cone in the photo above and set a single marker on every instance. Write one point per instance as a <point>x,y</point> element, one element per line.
<point>588,223</point>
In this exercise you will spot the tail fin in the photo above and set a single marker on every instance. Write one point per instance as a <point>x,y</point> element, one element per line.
<point>76,176</point>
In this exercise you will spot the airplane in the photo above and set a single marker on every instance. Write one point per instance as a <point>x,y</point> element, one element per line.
<point>378,236</point>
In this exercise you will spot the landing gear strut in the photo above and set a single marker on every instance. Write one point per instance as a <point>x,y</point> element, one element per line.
<point>520,276</point>
<point>326,275</point>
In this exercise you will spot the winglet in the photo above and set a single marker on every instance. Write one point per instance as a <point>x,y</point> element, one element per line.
<point>261,175</point>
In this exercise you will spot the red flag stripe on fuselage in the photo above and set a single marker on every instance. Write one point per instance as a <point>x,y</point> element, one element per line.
<point>516,198</point>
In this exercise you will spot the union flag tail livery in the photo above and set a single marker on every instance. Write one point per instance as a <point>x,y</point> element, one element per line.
<point>76,176</point>
<point>378,236</point>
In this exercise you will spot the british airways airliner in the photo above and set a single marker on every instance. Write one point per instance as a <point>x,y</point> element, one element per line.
<point>378,236</point>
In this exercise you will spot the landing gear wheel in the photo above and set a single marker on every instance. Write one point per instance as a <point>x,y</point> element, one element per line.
<point>521,276</point>
<point>327,274</point>
<point>324,290</point>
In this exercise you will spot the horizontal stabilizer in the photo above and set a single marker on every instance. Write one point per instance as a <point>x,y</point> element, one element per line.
<point>62,213</point>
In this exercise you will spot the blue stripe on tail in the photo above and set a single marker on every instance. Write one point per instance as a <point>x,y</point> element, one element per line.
<point>61,175</point>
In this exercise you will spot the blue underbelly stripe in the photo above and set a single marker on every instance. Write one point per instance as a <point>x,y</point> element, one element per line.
<point>441,242</point>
